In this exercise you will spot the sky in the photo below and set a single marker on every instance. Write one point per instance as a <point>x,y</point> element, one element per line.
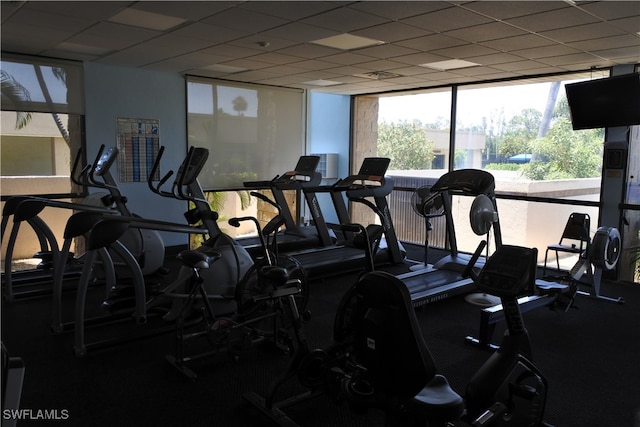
<point>473,104</point>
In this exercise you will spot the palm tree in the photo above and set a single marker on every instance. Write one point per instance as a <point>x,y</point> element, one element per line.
<point>16,95</point>
<point>62,76</point>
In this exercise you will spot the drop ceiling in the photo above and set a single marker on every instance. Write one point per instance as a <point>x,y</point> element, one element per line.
<point>293,43</point>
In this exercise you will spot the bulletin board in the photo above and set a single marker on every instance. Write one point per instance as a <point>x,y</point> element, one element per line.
<point>138,146</point>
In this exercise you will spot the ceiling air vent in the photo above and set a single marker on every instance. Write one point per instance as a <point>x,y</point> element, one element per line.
<point>378,75</point>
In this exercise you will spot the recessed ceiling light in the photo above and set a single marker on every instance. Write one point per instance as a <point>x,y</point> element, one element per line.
<point>452,64</point>
<point>322,82</point>
<point>347,42</point>
<point>148,20</point>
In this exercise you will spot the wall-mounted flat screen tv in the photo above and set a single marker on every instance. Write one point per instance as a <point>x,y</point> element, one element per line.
<point>608,102</point>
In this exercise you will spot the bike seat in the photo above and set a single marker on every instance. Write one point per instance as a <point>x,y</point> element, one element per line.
<point>276,273</point>
<point>437,401</point>
<point>198,259</point>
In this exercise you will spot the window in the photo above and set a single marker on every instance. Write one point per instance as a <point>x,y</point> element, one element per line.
<point>520,131</point>
<point>41,125</point>
<point>253,132</point>
<point>42,128</point>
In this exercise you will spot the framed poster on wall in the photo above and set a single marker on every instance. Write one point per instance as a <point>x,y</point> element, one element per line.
<point>138,145</point>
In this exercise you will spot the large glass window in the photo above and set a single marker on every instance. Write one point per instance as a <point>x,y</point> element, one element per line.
<point>41,125</point>
<point>42,121</point>
<point>519,131</point>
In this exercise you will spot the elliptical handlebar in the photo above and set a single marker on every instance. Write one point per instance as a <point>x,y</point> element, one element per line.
<point>266,199</point>
<point>158,188</point>
<point>235,222</point>
<point>79,178</point>
<point>187,173</point>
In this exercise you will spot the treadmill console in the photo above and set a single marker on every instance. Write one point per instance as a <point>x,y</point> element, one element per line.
<point>105,161</point>
<point>307,165</point>
<point>304,170</point>
<point>509,272</point>
<point>192,165</point>
<point>371,174</point>
<point>374,167</point>
<point>470,182</point>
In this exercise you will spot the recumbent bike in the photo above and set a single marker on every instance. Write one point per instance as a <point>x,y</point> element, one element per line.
<point>379,358</point>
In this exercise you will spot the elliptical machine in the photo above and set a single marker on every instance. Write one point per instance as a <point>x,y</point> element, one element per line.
<point>379,359</point>
<point>235,265</point>
<point>241,300</point>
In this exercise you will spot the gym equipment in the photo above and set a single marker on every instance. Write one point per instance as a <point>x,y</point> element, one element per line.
<point>379,359</point>
<point>444,279</point>
<point>369,182</point>
<point>95,226</point>
<point>427,205</point>
<point>25,209</point>
<point>267,299</point>
<point>294,236</point>
<point>595,256</point>
<point>602,255</point>
<point>228,285</point>
<point>482,216</point>
<point>12,378</point>
<point>235,260</point>
<point>146,244</point>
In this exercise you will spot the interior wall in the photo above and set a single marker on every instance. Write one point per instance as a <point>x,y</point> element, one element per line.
<point>118,92</point>
<point>329,124</point>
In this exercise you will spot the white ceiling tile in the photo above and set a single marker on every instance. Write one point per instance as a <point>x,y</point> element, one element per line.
<point>344,20</point>
<point>392,32</point>
<point>431,42</point>
<point>229,33</point>
<point>447,20</point>
<point>518,42</point>
<point>386,51</point>
<point>485,32</point>
<point>464,51</point>
<point>399,9</point>
<point>545,21</point>
<point>583,32</point>
<point>576,58</point>
<point>86,10</point>
<point>511,9</point>
<point>602,43</point>
<point>244,20</point>
<point>545,51</point>
<point>610,10</point>
<point>212,33</point>
<point>299,32</point>
<point>308,50</point>
<point>192,10</point>
<point>291,10</point>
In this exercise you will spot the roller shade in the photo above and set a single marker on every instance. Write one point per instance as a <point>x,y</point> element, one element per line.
<point>253,132</point>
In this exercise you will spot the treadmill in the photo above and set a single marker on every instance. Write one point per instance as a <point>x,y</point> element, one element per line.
<point>294,236</point>
<point>445,279</point>
<point>369,182</point>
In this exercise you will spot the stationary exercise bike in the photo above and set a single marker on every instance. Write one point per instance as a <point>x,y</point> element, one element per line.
<point>267,306</point>
<point>236,294</point>
<point>380,360</point>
